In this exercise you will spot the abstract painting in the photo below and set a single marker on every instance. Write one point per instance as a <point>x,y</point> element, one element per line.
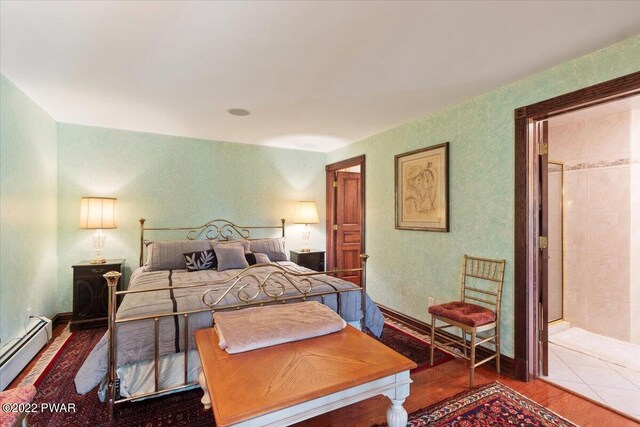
<point>422,189</point>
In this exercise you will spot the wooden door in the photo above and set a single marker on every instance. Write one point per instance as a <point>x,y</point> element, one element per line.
<point>348,224</point>
<point>542,135</point>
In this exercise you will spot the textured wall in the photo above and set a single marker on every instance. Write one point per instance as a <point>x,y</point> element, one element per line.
<point>175,181</point>
<point>28,210</point>
<point>406,267</point>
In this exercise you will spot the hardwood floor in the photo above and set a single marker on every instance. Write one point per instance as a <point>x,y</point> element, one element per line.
<point>433,385</point>
<point>436,384</point>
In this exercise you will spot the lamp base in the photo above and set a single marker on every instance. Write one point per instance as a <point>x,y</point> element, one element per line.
<point>305,239</point>
<point>98,244</point>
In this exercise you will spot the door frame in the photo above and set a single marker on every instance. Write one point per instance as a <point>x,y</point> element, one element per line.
<point>331,204</point>
<point>527,281</point>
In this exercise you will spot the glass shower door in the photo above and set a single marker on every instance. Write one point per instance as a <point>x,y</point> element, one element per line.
<point>555,305</point>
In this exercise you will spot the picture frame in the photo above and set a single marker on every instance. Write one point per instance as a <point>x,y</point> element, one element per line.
<point>422,189</point>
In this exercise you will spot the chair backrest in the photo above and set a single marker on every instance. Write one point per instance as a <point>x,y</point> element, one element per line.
<point>482,281</point>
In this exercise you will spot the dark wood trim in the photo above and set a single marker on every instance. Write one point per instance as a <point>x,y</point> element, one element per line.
<point>331,205</point>
<point>506,363</point>
<point>526,216</point>
<point>611,90</point>
<point>62,318</point>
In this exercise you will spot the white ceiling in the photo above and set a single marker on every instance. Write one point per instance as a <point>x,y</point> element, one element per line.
<point>315,75</point>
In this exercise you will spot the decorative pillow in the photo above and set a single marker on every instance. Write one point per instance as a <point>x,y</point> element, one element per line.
<point>273,248</point>
<point>169,255</point>
<point>230,256</point>
<point>243,243</point>
<point>203,260</point>
<point>256,258</point>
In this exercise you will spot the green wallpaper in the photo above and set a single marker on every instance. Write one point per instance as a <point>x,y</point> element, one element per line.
<point>406,267</point>
<point>173,181</point>
<point>28,207</point>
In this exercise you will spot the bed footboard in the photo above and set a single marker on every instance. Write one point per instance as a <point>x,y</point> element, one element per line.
<point>269,289</point>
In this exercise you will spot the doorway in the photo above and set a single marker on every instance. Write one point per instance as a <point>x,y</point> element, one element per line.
<point>345,216</point>
<point>531,214</point>
<point>594,343</point>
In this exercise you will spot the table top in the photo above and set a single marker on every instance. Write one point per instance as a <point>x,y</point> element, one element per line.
<point>246,385</point>
<point>109,262</point>
<point>310,251</point>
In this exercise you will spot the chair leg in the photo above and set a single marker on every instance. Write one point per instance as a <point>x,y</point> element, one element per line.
<point>464,341</point>
<point>433,338</point>
<point>498,349</point>
<point>473,357</point>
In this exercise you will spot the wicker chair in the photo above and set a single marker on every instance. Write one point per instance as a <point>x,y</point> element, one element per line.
<point>482,281</point>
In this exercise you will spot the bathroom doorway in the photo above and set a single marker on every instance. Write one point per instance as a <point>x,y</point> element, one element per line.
<point>531,216</point>
<point>593,253</point>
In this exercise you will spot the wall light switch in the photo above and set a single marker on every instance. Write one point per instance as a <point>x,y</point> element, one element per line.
<point>431,302</point>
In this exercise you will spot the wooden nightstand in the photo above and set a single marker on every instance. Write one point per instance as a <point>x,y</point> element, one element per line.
<point>91,294</point>
<point>313,260</point>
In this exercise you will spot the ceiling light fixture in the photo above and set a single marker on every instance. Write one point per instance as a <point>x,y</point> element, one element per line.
<point>238,112</point>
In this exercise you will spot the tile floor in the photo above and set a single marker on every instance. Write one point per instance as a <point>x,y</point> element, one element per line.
<point>601,381</point>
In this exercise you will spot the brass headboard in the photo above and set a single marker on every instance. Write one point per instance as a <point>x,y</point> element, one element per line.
<point>217,229</point>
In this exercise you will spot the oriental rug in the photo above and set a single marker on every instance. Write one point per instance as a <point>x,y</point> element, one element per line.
<point>492,404</point>
<point>412,347</point>
<point>179,409</point>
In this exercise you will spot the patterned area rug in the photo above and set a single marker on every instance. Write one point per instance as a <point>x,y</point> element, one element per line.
<point>412,347</point>
<point>180,409</point>
<point>488,405</point>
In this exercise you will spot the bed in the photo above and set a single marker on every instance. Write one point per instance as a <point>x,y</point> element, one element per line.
<point>149,348</point>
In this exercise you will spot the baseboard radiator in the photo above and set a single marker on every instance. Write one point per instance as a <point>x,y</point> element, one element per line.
<point>17,353</point>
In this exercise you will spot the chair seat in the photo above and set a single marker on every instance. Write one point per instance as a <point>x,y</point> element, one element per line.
<point>24,394</point>
<point>464,312</point>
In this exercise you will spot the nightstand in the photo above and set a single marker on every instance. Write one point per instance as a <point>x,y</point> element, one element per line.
<point>91,293</point>
<point>313,260</point>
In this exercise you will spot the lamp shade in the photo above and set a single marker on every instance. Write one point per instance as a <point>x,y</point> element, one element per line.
<point>98,212</point>
<point>306,213</point>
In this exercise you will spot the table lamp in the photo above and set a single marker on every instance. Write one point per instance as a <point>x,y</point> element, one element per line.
<point>98,213</point>
<point>306,213</point>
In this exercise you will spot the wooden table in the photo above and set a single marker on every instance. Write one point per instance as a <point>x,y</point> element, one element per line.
<point>288,383</point>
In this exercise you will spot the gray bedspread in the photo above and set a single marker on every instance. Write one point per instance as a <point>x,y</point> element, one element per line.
<point>135,340</point>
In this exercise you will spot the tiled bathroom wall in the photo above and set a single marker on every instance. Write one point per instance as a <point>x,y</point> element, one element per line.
<point>602,221</point>
<point>634,223</point>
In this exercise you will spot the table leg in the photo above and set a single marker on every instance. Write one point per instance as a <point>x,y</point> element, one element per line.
<point>206,400</point>
<point>396,414</point>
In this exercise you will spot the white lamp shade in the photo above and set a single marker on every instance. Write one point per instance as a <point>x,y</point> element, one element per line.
<point>98,212</point>
<point>306,213</point>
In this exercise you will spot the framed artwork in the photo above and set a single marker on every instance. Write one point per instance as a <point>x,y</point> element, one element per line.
<point>422,189</point>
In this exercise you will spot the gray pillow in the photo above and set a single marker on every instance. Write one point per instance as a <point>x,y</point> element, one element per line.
<point>169,255</point>
<point>273,248</point>
<point>230,256</point>
<point>243,243</point>
<point>262,258</point>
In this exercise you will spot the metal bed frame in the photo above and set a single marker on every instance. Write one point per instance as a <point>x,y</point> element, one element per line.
<point>272,286</point>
